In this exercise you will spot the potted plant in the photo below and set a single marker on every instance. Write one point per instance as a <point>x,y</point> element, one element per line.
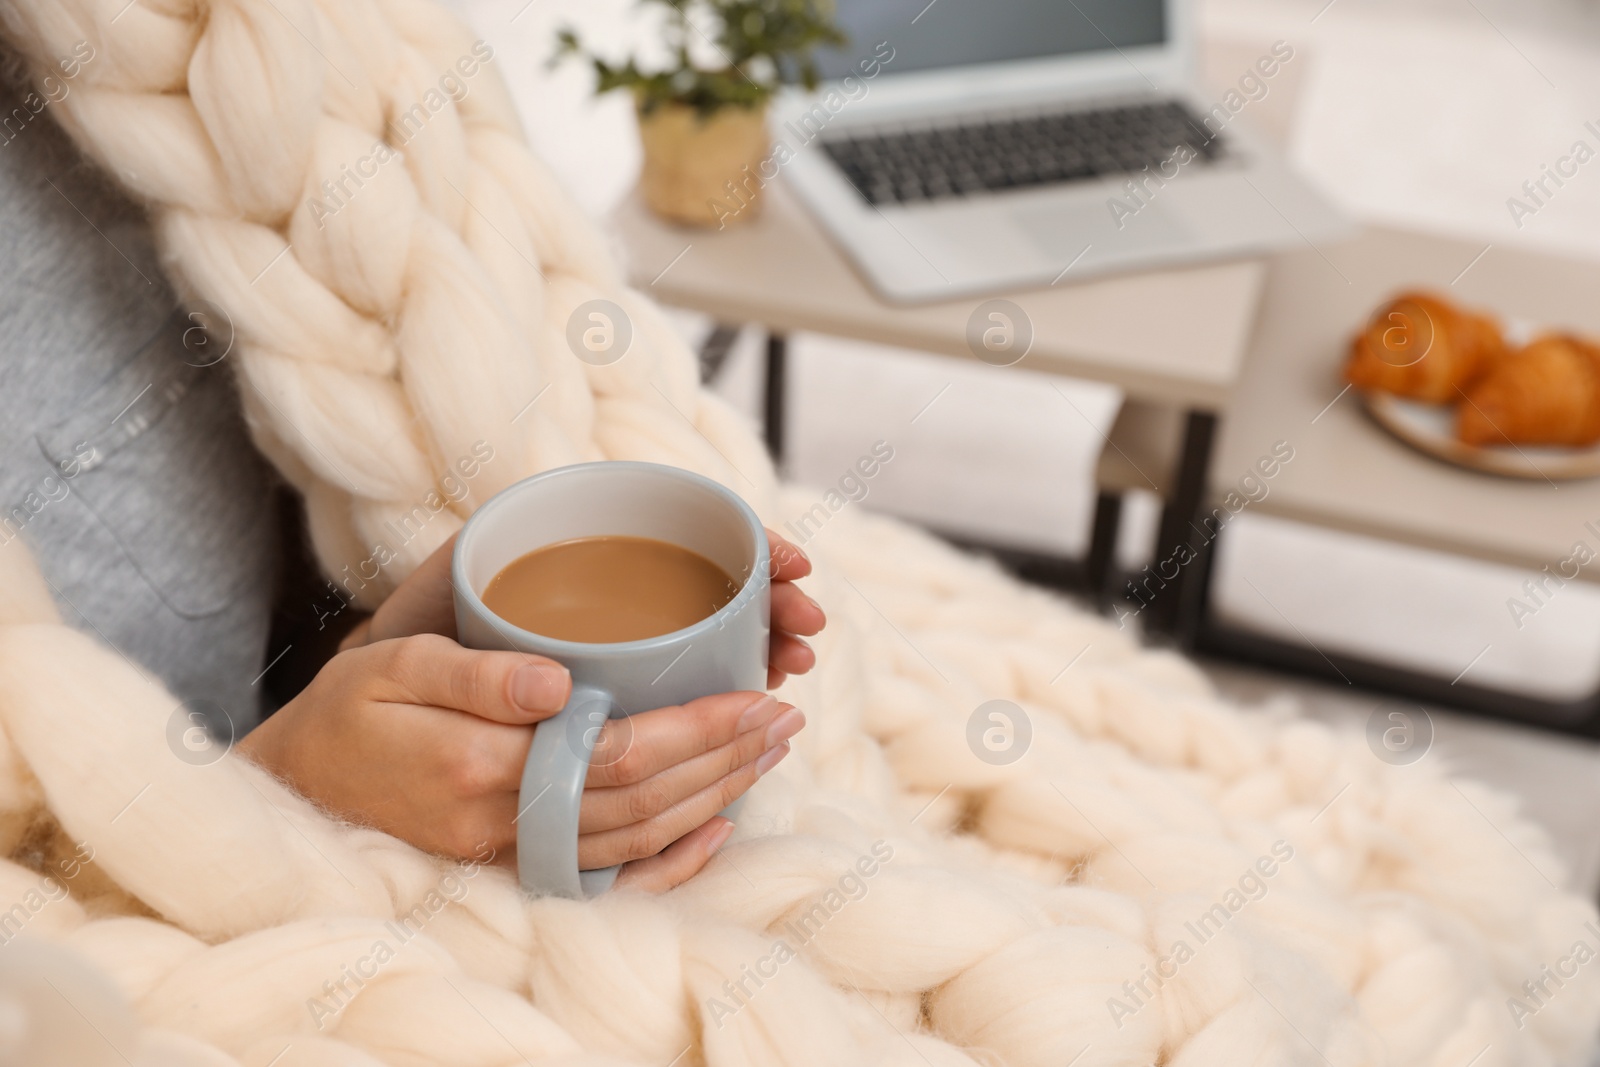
<point>703,124</point>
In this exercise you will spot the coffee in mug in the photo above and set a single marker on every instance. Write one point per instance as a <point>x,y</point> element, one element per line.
<point>608,588</point>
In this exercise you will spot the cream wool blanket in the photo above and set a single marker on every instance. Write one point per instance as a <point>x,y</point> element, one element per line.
<point>1162,878</point>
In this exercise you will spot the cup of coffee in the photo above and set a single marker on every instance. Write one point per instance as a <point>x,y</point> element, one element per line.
<point>648,583</point>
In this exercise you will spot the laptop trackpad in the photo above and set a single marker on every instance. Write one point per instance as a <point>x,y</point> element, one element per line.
<point>1063,231</point>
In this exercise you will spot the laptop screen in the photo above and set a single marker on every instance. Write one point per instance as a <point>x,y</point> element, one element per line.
<point>956,33</point>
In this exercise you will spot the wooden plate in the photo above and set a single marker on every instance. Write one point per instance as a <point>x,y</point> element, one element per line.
<point>1430,428</point>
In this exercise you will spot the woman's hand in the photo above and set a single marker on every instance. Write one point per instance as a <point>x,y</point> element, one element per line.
<point>424,604</point>
<point>794,615</point>
<point>426,740</point>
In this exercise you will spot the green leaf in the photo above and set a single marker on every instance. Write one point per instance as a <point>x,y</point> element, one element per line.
<point>783,34</point>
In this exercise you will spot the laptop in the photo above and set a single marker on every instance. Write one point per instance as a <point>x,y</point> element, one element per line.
<point>962,147</point>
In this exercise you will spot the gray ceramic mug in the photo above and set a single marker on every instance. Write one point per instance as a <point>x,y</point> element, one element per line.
<point>726,651</point>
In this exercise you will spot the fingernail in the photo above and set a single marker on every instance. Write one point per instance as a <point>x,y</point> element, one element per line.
<point>536,687</point>
<point>719,837</point>
<point>771,758</point>
<point>814,604</point>
<point>785,726</point>
<point>757,714</point>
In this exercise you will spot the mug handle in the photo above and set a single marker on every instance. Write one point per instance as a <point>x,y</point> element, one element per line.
<point>552,790</point>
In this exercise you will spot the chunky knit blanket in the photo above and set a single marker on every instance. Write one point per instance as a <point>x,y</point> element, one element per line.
<point>1113,866</point>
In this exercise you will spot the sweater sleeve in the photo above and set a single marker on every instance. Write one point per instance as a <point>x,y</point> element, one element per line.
<point>124,459</point>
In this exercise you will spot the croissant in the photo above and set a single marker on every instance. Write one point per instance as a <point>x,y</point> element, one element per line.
<point>1546,394</point>
<point>1423,347</point>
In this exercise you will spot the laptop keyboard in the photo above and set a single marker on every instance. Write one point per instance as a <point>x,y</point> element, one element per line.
<point>911,166</point>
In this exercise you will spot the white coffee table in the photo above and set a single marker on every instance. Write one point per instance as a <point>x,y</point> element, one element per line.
<point>1349,474</point>
<point>1173,340</point>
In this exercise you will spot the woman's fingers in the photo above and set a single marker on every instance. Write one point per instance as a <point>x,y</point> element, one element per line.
<point>619,823</point>
<point>608,809</point>
<point>508,687</point>
<point>638,747</point>
<point>788,562</point>
<point>790,654</point>
<point>794,612</point>
<point>679,861</point>
<point>644,839</point>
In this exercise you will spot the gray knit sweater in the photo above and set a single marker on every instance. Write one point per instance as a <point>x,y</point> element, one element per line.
<point>124,461</point>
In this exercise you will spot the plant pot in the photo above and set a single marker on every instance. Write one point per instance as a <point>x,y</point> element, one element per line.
<point>703,171</point>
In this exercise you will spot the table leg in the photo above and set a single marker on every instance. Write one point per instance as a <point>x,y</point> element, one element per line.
<point>776,385</point>
<point>1175,609</point>
<point>1101,560</point>
<point>714,351</point>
